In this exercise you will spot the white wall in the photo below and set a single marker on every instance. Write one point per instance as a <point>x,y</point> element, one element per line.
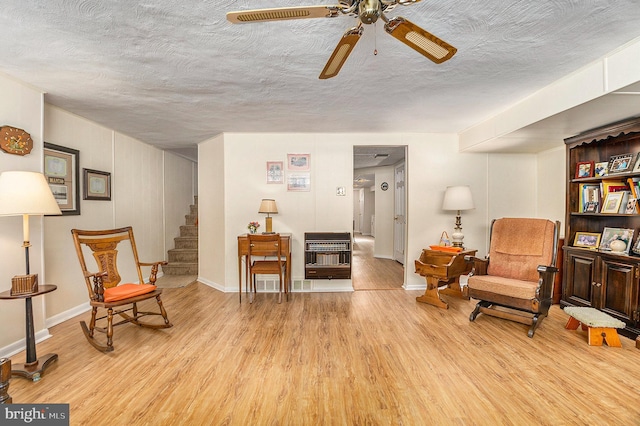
<point>320,209</point>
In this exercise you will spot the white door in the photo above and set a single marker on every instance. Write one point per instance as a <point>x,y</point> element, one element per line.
<point>400,219</point>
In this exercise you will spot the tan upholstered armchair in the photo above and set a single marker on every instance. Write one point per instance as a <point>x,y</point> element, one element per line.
<point>520,271</point>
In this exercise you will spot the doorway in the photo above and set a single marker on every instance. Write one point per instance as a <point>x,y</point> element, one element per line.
<point>379,217</point>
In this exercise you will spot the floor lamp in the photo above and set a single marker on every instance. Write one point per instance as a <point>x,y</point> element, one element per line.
<point>28,194</point>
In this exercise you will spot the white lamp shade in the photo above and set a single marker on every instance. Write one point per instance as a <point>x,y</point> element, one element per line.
<point>458,198</point>
<point>26,193</point>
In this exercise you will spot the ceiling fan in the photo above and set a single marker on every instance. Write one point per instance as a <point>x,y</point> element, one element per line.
<point>367,12</point>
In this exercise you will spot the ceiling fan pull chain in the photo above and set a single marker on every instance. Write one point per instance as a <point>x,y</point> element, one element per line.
<point>375,39</point>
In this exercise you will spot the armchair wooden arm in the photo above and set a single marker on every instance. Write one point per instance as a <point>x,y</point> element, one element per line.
<point>479,266</point>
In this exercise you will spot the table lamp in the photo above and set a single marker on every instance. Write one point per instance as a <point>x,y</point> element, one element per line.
<point>268,206</point>
<point>457,198</point>
<point>26,194</point>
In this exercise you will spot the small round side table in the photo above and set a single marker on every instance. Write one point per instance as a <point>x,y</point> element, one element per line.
<point>34,367</point>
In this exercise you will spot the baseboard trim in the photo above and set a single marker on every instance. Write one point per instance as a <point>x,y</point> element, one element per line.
<point>414,286</point>
<point>213,285</point>
<point>20,345</point>
<point>68,314</point>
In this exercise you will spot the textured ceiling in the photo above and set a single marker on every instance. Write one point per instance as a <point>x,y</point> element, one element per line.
<point>173,73</point>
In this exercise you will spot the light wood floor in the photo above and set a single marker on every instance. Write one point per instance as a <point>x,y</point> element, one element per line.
<point>361,358</point>
<point>370,273</point>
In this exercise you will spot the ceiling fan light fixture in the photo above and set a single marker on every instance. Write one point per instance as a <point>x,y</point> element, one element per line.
<point>420,40</point>
<point>341,53</point>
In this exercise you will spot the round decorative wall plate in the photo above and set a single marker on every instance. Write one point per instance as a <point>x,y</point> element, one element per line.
<point>15,141</point>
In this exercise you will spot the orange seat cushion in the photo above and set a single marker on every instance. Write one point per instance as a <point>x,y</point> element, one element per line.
<point>125,291</point>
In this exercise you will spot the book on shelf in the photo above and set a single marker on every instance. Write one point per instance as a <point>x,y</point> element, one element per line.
<point>589,195</point>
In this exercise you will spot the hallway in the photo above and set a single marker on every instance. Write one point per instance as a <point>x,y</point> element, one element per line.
<point>369,273</point>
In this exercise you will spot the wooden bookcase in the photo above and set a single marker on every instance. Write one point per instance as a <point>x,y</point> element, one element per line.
<point>597,278</point>
<point>327,255</point>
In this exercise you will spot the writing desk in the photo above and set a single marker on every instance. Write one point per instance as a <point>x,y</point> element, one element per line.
<point>34,367</point>
<point>243,253</point>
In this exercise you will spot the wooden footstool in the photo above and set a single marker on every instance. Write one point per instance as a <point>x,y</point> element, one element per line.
<point>600,326</point>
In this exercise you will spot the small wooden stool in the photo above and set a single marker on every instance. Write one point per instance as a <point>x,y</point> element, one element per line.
<point>600,326</point>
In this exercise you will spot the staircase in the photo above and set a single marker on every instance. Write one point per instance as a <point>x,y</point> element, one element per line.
<point>183,259</point>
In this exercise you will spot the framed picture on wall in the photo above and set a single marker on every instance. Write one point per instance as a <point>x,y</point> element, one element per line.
<point>275,172</point>
<point>298,182</point>
<point>96,185</point>
<point>62,174</point>
<point>298,162</point>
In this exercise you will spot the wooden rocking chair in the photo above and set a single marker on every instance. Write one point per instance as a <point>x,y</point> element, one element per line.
<point>105,290</point>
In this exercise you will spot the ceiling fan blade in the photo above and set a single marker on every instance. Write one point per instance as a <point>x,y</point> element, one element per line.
<point>420,40</point>
<point>282,13</point>
<point>341,52</point>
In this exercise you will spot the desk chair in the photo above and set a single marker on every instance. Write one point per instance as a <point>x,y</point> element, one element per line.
<point>265,257</point>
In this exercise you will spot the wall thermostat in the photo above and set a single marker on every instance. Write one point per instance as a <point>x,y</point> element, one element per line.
<point>384,186</point>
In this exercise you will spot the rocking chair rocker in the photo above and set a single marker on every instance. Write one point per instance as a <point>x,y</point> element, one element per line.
<point>105,290</point>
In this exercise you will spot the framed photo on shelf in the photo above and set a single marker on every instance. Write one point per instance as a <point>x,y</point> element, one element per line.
<point>636,166</point>
<point>584,169</point>
<point>96,185</point>
<point>609,235</point>
<point>632,206</point>
<point>601,169</point>
<point>590,240</point>
<point>620,163</point>
<point>62,174</point>
<point>612,202</point>
<point>591,207</point>
<point>636,247</point>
